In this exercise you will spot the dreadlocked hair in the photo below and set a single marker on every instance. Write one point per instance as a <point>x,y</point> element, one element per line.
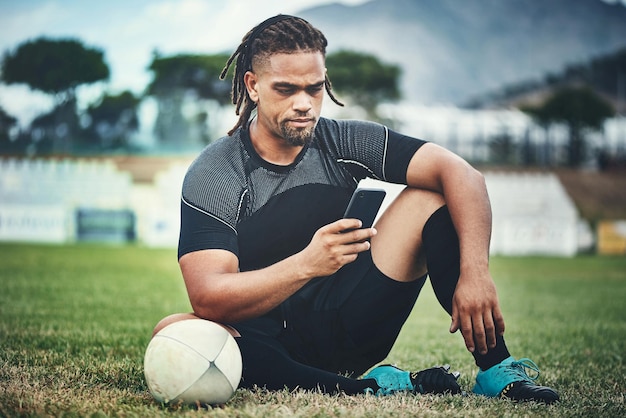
<point>278,34</point>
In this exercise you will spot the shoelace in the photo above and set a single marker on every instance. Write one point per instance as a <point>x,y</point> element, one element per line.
<point>523,366</point>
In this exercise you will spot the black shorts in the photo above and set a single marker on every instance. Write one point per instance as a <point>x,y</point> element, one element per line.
<point>344,323</point>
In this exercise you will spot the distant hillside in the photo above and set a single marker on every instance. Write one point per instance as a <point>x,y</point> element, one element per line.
<point>605,74</point>
<point>452,50</point>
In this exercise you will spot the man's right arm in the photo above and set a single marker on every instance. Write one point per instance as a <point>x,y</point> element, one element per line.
<point>218,291</point>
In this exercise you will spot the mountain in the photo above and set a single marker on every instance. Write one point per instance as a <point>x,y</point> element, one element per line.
<point>453,50</point>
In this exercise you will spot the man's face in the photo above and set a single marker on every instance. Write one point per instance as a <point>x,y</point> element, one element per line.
<point>288,90</point>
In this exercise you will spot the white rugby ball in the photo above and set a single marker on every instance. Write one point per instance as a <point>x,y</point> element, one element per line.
<point>193,361</point>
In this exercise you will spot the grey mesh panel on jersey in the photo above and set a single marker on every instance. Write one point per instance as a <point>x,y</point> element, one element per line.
<point>220,178</point>
<point>229,182</point>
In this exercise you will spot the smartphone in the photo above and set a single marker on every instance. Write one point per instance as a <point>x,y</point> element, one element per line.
<point>364,205</point>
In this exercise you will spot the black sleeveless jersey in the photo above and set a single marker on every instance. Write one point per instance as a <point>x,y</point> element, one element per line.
<point>234,200</point>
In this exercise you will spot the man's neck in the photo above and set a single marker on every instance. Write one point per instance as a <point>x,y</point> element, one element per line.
<point>271,148</point>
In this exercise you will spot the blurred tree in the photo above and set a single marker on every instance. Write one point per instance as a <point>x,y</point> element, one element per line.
<point>199,73</point>
<point>7,122</point>
<point>184,86</point>
<point>364,79</point>
<point>113,119</point>
<point>56,67</point>
<point>502,148</point>
<point>55,132</point>
<point>581,109</point>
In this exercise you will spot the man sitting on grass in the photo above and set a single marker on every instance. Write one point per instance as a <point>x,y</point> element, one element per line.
<point>263,249</point>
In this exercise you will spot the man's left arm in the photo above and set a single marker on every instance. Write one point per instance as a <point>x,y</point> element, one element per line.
<point>475,307</point>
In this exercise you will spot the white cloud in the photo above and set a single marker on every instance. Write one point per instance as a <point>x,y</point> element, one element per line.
<point>22,24</point>
<point>24,104</point>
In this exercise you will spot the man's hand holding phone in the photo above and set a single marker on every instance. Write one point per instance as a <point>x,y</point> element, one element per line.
<point>340,242</point>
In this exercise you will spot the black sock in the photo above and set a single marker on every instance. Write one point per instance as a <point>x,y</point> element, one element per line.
<point>441,245</point>
<point>270,367</point>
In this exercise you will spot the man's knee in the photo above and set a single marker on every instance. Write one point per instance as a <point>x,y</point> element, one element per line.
<point>411,208</point>
<point>397,248</point>
<point>423,201</point>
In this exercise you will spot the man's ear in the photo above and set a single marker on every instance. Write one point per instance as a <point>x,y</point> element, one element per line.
<point>250,80</point>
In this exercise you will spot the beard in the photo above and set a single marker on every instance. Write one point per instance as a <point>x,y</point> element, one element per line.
<point>297,137</point>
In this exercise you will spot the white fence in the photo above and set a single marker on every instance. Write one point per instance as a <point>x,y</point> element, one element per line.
<point>40,201</point>
<point>532,214</point>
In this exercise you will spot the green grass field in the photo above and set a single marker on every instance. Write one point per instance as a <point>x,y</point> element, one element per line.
<point>75,321</point>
